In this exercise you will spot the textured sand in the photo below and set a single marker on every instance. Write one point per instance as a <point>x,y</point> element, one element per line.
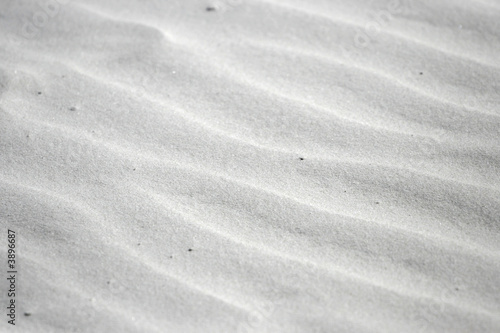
<point>265,166</point>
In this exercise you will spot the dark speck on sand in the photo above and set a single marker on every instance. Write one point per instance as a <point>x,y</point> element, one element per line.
<point>210,9</point>
<point>27,314</point>
<point>190,250</point>
<point>72,108</point>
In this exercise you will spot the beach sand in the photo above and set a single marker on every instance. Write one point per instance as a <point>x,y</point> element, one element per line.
<point>251,165</point>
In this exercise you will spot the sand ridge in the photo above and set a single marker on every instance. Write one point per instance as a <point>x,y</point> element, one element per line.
<point>261,166</point>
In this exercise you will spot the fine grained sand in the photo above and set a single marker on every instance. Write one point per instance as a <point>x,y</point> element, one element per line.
<point>261,166</point>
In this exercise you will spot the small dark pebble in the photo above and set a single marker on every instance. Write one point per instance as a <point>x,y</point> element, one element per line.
<point>456,289</point>
<point>210,9</point>
<point>138,243</point>
<point>39,93</point>
<point>171,257</point>
<point>72,108</point>
<point>421,73</point>
<point>301,158</point>
<point>377,202</point>
<point>27,314</point>
<point>190,250</point>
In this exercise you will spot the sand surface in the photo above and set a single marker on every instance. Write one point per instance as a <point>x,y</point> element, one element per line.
<point>251,165</point>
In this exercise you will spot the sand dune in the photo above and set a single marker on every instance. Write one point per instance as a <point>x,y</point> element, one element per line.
<point>251,166</point>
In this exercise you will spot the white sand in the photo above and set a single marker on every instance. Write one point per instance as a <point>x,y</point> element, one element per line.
<point>330,173</point>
